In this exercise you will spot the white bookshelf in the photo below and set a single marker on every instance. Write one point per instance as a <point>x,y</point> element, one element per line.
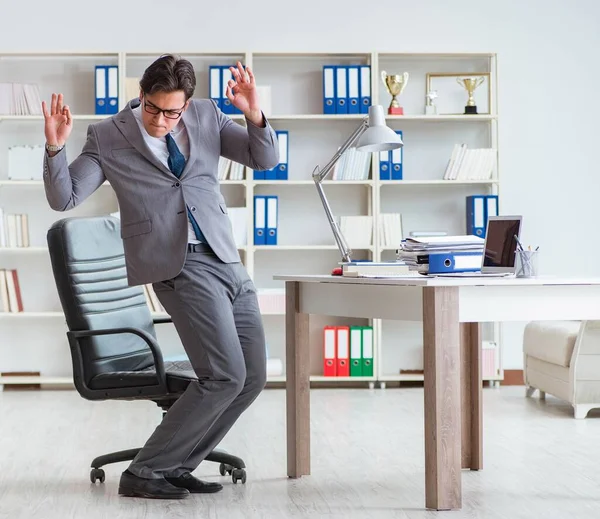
<point>305,242</point>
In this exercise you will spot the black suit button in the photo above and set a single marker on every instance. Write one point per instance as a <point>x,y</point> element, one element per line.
<point>177,184</point>
<point>193,208</point>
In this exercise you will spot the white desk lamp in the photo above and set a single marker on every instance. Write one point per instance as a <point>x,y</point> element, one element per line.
<point>373,135</point>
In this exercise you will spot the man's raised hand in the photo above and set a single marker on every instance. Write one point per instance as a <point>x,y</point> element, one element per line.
<point>58,122</point>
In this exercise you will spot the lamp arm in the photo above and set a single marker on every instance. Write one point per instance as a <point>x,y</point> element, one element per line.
<point>318,177</point>
<point>345,251</point>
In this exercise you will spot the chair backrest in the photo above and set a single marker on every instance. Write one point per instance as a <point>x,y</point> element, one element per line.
<point>88,263</point>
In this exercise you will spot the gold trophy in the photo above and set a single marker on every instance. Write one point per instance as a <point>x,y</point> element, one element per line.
<point>470,84</point>
<point>395,85</point>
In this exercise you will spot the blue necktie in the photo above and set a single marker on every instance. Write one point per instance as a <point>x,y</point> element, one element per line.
<point>176,162</point>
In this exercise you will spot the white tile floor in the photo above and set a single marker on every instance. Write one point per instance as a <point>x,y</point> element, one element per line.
<point>539,462</point>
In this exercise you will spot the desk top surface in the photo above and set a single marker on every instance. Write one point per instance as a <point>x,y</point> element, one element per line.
<point>424,281</point>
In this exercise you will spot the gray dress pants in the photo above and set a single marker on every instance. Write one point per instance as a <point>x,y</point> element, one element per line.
<point>215,310</point>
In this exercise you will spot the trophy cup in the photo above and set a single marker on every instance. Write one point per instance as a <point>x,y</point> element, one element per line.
<point>430,108</point>
<point>470,84</point>
<point>395,85</point>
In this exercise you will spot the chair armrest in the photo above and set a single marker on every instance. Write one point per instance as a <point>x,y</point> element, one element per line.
<point>158,390</point>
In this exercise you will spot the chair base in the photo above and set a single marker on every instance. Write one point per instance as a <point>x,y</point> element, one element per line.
<point>229,464</point>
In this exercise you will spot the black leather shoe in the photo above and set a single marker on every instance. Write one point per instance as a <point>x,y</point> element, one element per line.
<point>134,486</point>
<point>194,485</point>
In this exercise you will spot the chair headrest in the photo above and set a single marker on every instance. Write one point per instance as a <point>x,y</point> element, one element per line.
<point>87,238</point>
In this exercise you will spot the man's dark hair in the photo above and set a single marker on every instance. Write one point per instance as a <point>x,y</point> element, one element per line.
<point>168,74</point>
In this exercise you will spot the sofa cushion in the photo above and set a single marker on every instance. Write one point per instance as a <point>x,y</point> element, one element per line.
<point>551,341</point>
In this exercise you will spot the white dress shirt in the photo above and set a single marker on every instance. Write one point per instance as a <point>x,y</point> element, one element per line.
<point>158,146</point>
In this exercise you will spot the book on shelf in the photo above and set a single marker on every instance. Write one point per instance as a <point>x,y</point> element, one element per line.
<point>390,229</point>
<point>471,164</point>
<point>230,170</point>
<point>20,99</point>
<point>10,291</point>
<point>14,230</point>
<point>352,165</point>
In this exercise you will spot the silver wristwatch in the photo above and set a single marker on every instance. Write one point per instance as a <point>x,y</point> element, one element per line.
<point>54,147</point>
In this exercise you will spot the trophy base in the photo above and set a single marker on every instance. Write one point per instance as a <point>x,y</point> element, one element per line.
<point>430,110</point>
<point>471,110</point>
<point>395,110</point>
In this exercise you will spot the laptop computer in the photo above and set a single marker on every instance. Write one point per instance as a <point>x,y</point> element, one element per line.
<point>499,250</point>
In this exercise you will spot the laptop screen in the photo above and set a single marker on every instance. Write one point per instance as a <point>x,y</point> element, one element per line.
<point>500,242</point>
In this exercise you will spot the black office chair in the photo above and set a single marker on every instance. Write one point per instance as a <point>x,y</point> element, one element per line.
<point>111,332</point>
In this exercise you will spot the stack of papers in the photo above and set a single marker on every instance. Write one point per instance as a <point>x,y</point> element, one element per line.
<point>414,252</point>
<point>365,269</point>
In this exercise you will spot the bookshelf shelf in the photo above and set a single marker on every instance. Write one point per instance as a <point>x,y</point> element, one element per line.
<point>37,118</point>
<point>435,182</point>
<point>23,250</point>
<point>304,247</point>
<point>296,105</point>
<point>30,315</point>
<point>368,183</point>
<point>29,380</point>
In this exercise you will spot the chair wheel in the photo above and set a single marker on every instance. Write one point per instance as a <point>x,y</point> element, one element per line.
<point>225,469</point>
<point>97,474</point>
<point>238,475</point>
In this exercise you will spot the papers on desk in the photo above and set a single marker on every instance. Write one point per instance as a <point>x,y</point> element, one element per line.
<point>361,269</point>
<point>415,252</point>
<point>443,243</point>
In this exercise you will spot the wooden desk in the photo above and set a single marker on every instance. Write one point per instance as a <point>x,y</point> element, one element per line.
<point>451,310</point>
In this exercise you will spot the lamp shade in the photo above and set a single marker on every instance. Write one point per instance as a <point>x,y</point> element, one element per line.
<point>378,136</point>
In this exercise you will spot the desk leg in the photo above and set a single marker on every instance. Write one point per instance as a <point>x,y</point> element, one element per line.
<point>297,384</point>
<point>441,358</point>
<point>471,396</point>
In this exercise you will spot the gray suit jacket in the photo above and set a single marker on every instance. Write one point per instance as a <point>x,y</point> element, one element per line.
<point>152,201</point>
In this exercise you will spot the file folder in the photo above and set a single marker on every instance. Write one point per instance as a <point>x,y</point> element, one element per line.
<point>100,90</point>
<point>329,89</point>
<point>397,157</point>
<point>214,85</point>
<point>466,261</point>
<point>281,170</point>
<point>384,165</point>
<point>355,351</point>
<point>260,216</point>
<point>112,90</point>
<point>341,89</point>
<point>329,351</point>
<point>367,351</point>
<point>343,351</point>
<point>226,75</point>
<point>365,88</point>
<point>491,207</point>
<point>354,89</point>
<point>272,219</point>
<point>476,215</point>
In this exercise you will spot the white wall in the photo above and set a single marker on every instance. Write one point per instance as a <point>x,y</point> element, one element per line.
<point>547,55</point>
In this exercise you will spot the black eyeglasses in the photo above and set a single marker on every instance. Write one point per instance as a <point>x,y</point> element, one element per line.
<point>169,114</point>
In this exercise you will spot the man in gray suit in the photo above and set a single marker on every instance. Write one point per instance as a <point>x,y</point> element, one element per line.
<point>160,154</point>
